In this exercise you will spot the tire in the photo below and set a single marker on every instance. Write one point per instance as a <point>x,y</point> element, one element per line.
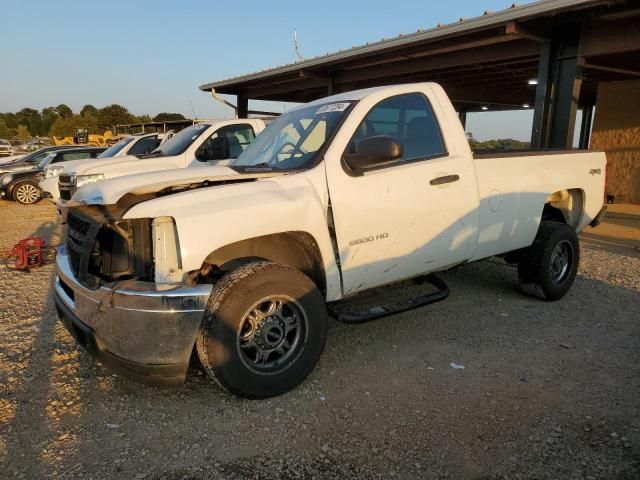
<point>547,268</point>
<point>26,193</point>
<point>264,329</point>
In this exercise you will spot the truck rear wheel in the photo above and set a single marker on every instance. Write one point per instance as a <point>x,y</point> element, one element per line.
<point>264,330</point>
<point>548,267</point>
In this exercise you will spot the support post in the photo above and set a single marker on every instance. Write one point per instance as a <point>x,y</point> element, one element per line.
<point>331,86</point>
<point>558,90</point>
<point>462,114</point>
<point>243,106</point>
<point>585,127</point>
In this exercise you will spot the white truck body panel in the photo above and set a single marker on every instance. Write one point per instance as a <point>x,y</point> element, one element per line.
<point>514,189</point>
<point>127,165</point>
<point>121,165</point>
<point>278,203</point>
<point>390,223</point>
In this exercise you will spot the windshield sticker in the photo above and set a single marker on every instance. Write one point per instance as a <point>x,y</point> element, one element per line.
<point>332,107</point>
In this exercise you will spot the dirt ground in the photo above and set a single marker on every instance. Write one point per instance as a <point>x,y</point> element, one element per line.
<point>549,390</point>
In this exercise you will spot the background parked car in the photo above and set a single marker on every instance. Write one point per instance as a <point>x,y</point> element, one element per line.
<point>20,163</point>
<point>22,186</point>
<point>136,145</point>
<point>35,144</point>
<point>5,148</point>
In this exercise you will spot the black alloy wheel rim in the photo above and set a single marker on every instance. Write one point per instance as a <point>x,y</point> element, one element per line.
<point>272,334</point>
<point>561,262</point>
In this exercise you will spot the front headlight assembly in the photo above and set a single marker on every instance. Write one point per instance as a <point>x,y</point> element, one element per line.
<point>6,179</point>
<point>82,180</point>
<point>53,172</point>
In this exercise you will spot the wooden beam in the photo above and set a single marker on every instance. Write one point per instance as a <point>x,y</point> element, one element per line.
<point>605,38</point>
<point>440,62</point>
<point>604,68</point>
<point>284,89</point>
<point>313,75</point>
<point>522,31</point>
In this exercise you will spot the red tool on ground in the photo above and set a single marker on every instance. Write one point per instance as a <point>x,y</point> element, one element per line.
<point>27,254</point>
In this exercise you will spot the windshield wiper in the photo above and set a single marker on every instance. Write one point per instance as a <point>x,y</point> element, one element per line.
<point>262,166</point>
<point>158,153</point>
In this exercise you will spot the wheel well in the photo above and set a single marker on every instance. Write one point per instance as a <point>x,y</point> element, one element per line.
<point>564,206</point>
<point>298,250</point>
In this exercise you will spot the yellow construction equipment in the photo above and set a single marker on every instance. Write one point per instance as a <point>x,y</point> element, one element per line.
<point>81,136</point>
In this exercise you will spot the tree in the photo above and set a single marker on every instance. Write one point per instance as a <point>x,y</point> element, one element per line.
<point>49,115</point>
<point>23,133</point>
<point>4,130</point>
<point>167,117</point>
<point>64,111</point>
<point>89,110</point>
<point>64,127</point>
<point>29,118</point>
<point>114,115</point>
<point>143,119</point>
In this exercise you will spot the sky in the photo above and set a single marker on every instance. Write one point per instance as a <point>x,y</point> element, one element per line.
<point>150,56</point>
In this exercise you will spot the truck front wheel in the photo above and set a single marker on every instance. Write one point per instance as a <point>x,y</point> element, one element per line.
<point>264,329</point>
<point>548,267</point>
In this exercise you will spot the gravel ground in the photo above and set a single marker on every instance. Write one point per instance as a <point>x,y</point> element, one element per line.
<point>549,390</point>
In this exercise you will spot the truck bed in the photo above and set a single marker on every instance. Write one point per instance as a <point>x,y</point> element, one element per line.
<point>514,186</point>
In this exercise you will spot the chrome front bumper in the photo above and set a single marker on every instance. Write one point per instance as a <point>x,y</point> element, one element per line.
<point>141,330</point>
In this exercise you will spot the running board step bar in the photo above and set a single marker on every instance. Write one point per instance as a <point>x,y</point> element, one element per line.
<point>343,311</point>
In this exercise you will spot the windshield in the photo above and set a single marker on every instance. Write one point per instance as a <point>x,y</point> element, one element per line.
<point>45,161</point>
<point>292,140</point>
<point>180,141</point>
<point>113,149</point>
<point>4,142</point>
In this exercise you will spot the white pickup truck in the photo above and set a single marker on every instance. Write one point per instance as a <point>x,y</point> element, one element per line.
<point>136,145</point>
<point>204,143</point>
<point>335,198</point>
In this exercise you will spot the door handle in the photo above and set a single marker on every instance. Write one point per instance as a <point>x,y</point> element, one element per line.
<point>445,179</point>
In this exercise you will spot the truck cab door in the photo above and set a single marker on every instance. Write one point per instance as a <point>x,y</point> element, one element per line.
<point>408,216</point>
<point>224,145</point>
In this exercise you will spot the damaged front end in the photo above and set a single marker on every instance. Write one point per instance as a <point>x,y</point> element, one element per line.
<point>107,296</point>
<point>104,248</point>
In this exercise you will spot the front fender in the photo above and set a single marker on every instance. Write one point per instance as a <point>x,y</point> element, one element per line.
<point>210,218</point>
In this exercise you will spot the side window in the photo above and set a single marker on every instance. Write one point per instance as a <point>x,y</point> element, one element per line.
<point>38,158</point>
<point>63,157</point>
<point>144,145</point>
<point>410,119</point>
<point>238,138</point>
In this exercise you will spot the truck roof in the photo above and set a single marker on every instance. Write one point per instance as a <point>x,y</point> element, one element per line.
<point>362,93</point>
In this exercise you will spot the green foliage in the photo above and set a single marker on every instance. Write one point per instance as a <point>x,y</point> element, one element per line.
<point>5,133</point>
<point>499,144</point>
<point>114,115</point>
<point>63,127</point>
<point>64,111</point>
<point>89,110</point>
<point>49,115</point>
<point>166,117</point>
<point>60,120</point>
<point>22,133</point>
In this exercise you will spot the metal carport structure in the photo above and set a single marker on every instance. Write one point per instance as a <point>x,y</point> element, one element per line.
<point>549,55</point>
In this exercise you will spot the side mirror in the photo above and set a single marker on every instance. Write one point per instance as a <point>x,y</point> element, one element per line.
<point>373,151</point>
<point>215,149</point>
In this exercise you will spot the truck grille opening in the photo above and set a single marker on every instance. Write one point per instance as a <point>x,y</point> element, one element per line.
<point>77,240</point>
<point>65,194</point>
<point>105,250</point>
